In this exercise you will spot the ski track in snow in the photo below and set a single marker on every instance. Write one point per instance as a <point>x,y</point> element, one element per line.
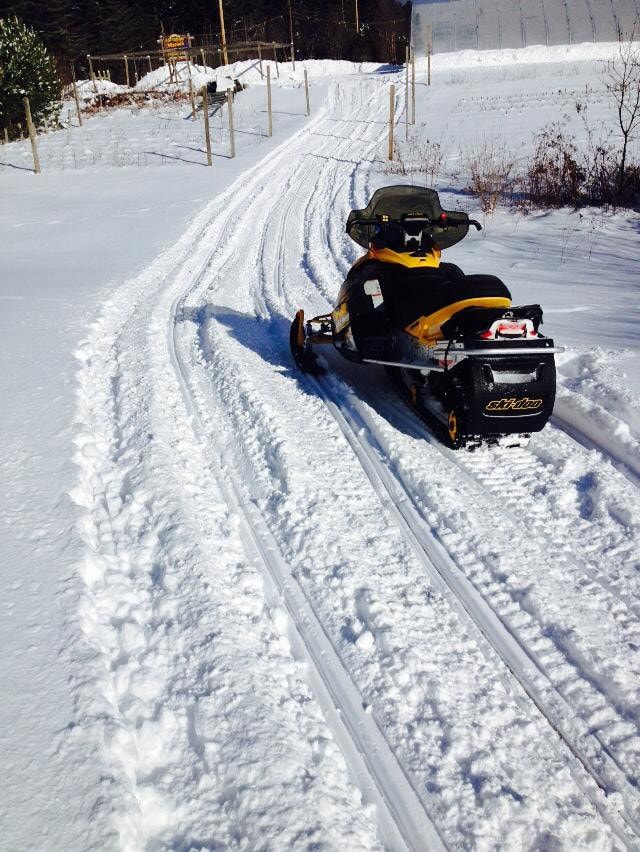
<point>263,548</point>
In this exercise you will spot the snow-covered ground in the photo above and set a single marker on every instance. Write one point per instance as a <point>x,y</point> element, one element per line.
<point>244,608</point>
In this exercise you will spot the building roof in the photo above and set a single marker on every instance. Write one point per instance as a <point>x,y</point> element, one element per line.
<point>495,24</point>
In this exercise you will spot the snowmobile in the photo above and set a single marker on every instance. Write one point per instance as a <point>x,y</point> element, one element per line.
<point>473,365</point>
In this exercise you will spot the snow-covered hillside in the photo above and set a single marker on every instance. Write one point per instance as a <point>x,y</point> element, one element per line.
<point>247,608</point>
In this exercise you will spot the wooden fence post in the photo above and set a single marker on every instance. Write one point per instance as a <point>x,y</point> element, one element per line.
<point>193,100</point>
<point>260,61</point>
<point>293,58</point>
<point>207,135</point>
<point>126,70</point>
<point>32,136</point>
<point>413,87</point>
<point>429,49</point>
<point>92,75</point>
<point>6,135</point>
<point>406,95</point>
<point>77,100</point>
<point>270,119</point>
<point>150,65</point>
<point>392,111</point>
<point>275,59</point>
<point>306,90</point>
<point>232,138</point>
<point>204,62</point>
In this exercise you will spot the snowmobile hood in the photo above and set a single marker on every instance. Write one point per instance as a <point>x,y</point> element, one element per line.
<point>410,260</point>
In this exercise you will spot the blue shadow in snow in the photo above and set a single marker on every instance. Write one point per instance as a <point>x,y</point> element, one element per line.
<point>269,339</point>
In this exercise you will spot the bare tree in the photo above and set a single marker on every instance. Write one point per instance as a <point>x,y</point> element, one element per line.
<point>622,80</point>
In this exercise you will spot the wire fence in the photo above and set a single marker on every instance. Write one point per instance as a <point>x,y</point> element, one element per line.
<point>494,24</point>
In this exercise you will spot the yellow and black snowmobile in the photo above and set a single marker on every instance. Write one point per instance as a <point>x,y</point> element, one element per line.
<point>469,361</point>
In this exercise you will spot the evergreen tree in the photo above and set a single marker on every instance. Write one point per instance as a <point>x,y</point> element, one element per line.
<point>26,69</point>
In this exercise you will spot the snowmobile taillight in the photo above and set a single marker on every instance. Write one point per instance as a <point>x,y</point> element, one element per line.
<point>509,329</point>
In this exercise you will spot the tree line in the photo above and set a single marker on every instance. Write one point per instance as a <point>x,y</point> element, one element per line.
<point>322,28</point>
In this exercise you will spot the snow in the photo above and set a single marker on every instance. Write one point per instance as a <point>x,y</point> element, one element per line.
<point>244,608</point>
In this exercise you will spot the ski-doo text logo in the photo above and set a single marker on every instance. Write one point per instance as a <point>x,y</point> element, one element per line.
<point>514,404</point>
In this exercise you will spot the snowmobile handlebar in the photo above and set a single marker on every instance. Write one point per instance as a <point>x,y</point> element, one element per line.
<point>443,221</point>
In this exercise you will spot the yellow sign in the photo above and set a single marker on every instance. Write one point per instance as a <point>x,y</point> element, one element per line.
<point>174,46</point>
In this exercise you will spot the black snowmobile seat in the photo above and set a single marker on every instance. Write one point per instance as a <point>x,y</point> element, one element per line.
<point>423,293</point>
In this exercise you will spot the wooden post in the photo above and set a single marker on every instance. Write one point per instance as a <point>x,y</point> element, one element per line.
<point>126,70</point>
<point>275,59</point>
<point>306,91</point>
<point>270,119</point>
<point>193,100</point>
<point>77,100</point>
<point>6,135</point>
<point>392,111</point>
<point>207,135</point>
<point>232,138</point>
<point>406,95</point>
<point>222,34</point>
<point>293,52</point>
<point>204,63</point>
<point>92,75</point>
<point>413,87</point>
<point>32,136</point>
<point>357,18</point>
<point>260,61</point>
<point>150,65</point>
<point>429,49</point>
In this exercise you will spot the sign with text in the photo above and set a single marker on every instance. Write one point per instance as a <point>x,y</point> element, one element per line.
<point>174,47</point>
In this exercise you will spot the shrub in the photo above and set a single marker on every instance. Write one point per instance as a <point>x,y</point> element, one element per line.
<point>490,167</point>
<point>554,175</point>
<point>559,174</point>
<point>417,157</point>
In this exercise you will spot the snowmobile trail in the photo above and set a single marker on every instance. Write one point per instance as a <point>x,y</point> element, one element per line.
<point>300,608</point>
<point>234,346</point>
<point>403,821</point>
<point>602,707</point>
<point>523,663</point>
<point>189,766</point>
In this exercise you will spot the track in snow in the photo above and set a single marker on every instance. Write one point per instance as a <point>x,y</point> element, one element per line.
<point>210,437</point>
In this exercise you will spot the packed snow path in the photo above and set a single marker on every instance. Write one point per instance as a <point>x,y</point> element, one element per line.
<point>317,625</point>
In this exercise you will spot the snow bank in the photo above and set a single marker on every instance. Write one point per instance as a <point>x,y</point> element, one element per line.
<point>87,91</point>
<point>248,71</point>
<point>536,54</point>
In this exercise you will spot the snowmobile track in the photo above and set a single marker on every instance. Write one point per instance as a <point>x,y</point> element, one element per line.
<point>597,763</point>
<point>402,817</point>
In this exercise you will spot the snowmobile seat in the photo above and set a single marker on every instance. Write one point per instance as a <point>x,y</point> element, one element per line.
<point>421,300</point>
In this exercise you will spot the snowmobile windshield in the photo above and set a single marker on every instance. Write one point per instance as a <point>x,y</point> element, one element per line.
<point>447,227</point>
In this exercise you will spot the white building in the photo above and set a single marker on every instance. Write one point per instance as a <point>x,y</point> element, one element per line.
<point>494,24</point>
